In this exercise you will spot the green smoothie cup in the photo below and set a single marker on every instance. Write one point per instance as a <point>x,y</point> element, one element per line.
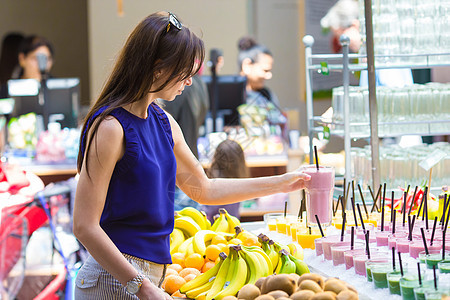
<point>419,292</point>
<point>382,265</point>
<point>379,275</point>
<point>393,279</point>
<point>434,258</point>
<point>407,285</point>
<point>444,266</point>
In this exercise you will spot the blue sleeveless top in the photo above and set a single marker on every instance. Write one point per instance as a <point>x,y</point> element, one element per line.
<point>139,210</point>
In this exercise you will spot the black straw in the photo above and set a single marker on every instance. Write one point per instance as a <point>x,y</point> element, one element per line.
<point>300,210</point>
<point>352,238</point>
<point>393,223</point>
<point>382,208</point>
<point>374,205</point>
<point>448,216</point>
<point>360,216</point>
<point>392,207</point>
<point>343,206</point>
<point>409,228</point>
<point>320,226</point>
<point>343,227</point>
<point>443,244</point>
<point>354,211</point>
<point>412,200</point>
<point>317,158</point>
<point>285,208</point>
<point>346,196</point>
<point>424,241</point>
<point>418,272</point>
<point>400,262</point>
<point>412,227</point>
<point>393,258</point>
<point>433,231</point>
<point>404,208</point>
<point>435,277</point>
<point>444,211</point>
<point>367,244</point>
<point>363,202</point>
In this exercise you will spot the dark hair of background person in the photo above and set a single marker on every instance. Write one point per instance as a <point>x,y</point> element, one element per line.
<point>249,48</point>
<point>228,161</point>
<point>149,48</point>
<point>9,55</point>
<point>30,44</point>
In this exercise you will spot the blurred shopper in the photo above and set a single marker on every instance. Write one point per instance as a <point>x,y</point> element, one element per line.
<point>9,62</point>
<point>228,162</point>
<point>29,50</point>
<point>131,156</point>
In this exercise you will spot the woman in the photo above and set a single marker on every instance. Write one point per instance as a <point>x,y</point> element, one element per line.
<point>131,156</point>
<point>255,63</point>
<point>29,50</point>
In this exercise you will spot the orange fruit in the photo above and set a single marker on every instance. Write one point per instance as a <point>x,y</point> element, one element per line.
<point>173,283</point>
<point>212,252</point>
<point>178,258</point>
<point>195,260</point>
<point>208,266</point>
<point>178,294</point>
<point>217,239</point>
<point>187,271</point>
<point>224,248</point>
<point>170,271</point>
<point>251,241</point>
<point>175,267</point>
<point>189,277</point>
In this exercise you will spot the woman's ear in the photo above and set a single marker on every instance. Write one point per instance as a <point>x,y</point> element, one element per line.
<point>246,66</point>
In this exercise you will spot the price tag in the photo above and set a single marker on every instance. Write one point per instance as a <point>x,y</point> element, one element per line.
<point>324,68</point>
<point>432,159</point>
<point>226,285</point>
<point>326,133</point>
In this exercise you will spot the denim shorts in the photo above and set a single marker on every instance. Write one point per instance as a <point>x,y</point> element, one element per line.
<point>94,282</point>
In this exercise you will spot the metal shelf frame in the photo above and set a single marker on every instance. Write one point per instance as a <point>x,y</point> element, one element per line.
<point>342,63</point>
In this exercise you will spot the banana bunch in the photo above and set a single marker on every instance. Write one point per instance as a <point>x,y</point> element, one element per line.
<point>259,264</point>
<point>225,222</point>
<point>176,239</point>
<point>190,220</point>
<point>268,247</point>
<point>201,240</point>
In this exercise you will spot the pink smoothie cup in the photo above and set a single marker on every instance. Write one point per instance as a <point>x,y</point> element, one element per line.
<point>415,247</point>
<point>350,254</point>
<point>382,238</point>
<point>402,245</point>
<point>392,239</point>
<point>338,251</point>
<point>318,245</point>
<point>332,240</point>
<point>319,194</point>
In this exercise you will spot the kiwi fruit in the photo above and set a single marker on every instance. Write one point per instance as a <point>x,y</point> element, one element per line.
<point>248,292</point>
<point>283,282</point>
<point>347,295</point>
<point>334,285</point>
<point>302,295</point>
<point>259,282</point>
<point>265,297</point>
<point>295,276</point>
<point>278,294</point>
<point>312,276</point>
<point>310,285</point>
<point>324,296</point>
<point>264,289</point>
<point>283,298</point>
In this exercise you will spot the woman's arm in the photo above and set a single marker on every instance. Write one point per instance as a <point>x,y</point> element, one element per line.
<point>191,178</point>
<point>106,149</point>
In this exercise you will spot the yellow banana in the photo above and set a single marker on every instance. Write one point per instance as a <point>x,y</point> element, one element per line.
<point>267,261</point>
<point>192,294</point>
<point>204,278</point>
<point>184,246</point>
<point>279,264</point>
<point>296,250</point>
<point>200,239</point>
<point>208,222</point>
<point>256,269</point>
<point>220,224</point>
<point>238,278</point>
<point>187,225</point>
<point>195,214</point>
<point>288,266</point>
<point>300,266</point>
<point>219,281</point>
<point>273,255</point>
<point>190,249</point>
<point>176,239</point>
<point>232,221</point>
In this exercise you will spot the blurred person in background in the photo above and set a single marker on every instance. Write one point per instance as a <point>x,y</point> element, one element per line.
<point>29,49</point>
<point>9,60</point>
<point>228,162</point>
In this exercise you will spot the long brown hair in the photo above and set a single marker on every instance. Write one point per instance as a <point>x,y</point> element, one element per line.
<point>152,46</point>
<point>228,161</point>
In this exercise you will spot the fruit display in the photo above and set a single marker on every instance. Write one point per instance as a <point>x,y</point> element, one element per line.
<point>213,261</point>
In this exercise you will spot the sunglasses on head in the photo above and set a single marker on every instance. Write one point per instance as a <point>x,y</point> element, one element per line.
<point>174,22</point>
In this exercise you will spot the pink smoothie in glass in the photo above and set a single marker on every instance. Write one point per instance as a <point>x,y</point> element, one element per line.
<point>402,245</point>
<point>318,245</point>
<point>382,238</point>
<point>415,247</point>
<point>338,251</point>
<point>329,241</point>
<point>319,194</point>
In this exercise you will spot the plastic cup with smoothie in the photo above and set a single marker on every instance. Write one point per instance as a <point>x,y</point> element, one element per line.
<point>402,245</point>
<point>444,266</point>
<point>409,282</point>
<point>393,279</point>
<point>350,254</point>
<point>382,238</point>
<point>319,194</point>
<point>415,247</point>
<point>332,240</point>
<point>434,257</point>
<point>307,236</point>
<point>338,251</point>
<point>359,262</point>
<point>376,270</point>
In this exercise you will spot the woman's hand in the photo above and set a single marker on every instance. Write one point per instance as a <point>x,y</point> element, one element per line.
<point>149,291</point>
<point>294,180</point>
